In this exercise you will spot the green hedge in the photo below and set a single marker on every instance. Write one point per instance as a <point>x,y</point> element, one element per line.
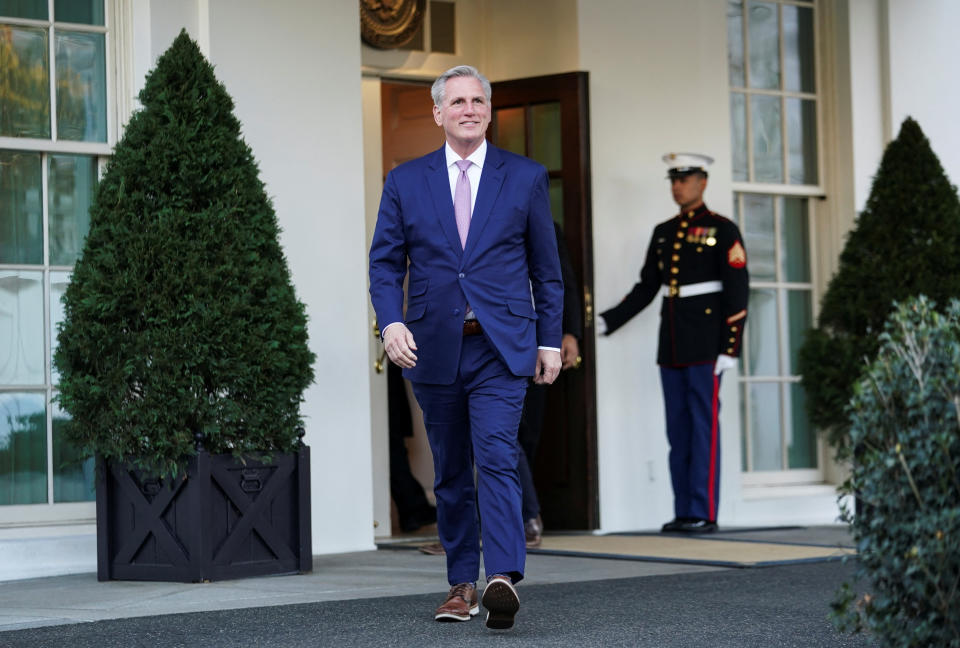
<point>180,318</point>
<point>905,426</point>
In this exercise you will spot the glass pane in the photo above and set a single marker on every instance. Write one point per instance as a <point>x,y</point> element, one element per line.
<point>21,328</point>
<point>511,133</point>
<point>21,208</point>
<point>24,82</point>
<point>72,182</point>
<point>73,472</point>
<point>799,321</point>
<point>85,12</point>
<point>798,48</point>
<point>58,286</point>
<point>545,142</point>
<point>767,145</point>
<point>81,87</point>
<point>758,236</point>
<point>802,447</point>
<point>744,387</point>
<point>556,199</point>
<point>442,27</point>
<point>762,333</point>
<point>794,240</point>
<point>23,449</point>
<point>802,133</point>
<point>764,34</point>
<point>735,42</point>
<point>766,443</point>
<point>738,135</point>
<point>35,9</point>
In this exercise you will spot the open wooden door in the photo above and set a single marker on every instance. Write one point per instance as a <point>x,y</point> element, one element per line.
<point>546,119</point>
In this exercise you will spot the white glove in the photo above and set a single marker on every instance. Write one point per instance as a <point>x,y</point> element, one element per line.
<point>601,325</point>
<point>723,363</point>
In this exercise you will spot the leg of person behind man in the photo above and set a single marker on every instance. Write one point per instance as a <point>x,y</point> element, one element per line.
<point>475,420</point>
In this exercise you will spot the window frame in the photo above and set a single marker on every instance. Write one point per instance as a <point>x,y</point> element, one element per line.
<point>51,511</point>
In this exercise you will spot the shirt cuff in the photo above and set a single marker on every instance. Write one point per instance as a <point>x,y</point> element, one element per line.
<point>550,349</point>
<point>383,331</point>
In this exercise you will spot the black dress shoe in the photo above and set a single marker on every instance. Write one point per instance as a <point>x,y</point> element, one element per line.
<point>697,526</point>
<point>674,525</point>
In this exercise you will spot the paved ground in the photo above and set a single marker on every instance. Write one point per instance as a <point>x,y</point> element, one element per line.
<point>386,598</point>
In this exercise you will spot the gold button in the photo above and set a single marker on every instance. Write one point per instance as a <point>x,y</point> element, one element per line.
<point>690,213</point>
<point>699,249</point>
<point>708,311</point>
<point>733,328</point>
<point>679,234</point>
<point>674,270</point>
<point>730,350</point>
<point>732,340</point>
<point>673,281</point>
<point>675,257</point>
<point>684,223</point>
<point>676,246</point>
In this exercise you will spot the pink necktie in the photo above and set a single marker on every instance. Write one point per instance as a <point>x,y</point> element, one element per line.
<point>461,201</point>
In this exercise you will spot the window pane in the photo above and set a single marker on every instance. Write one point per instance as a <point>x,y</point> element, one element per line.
<point>511,130</point>
<point>735,42</point>
<point>72,182</point>
<point>73,472</point>
<point>81,87</point>
<point>798,48</point>
<point>21,328</point>
<point>58,286</point>
<point>794,240</point>
<point>545,143</point>
<point>765,437</point>
<point>24,82</point>
<point>762,335</point>
<point>758,236</point>
<point>85,12</point>
<point>764,34</point>
<point>738,135</point>
<point>35,9</point>
<point>23,449</point>
<point>21,209</point>
<point>802,132</point>
<point>802,448</point>
<point>767,145</point>
<point>799,321</point>
<point>442,27</point>
<point>556,199</point>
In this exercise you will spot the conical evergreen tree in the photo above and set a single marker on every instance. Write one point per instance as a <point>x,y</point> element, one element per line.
<point>905,243</point>
<point>180,318</point>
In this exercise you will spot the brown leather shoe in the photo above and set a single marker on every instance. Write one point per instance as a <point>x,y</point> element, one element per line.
<point>432,549</point>
<point>502,602</point>
<point>461,604</point>
<point>533,530</point>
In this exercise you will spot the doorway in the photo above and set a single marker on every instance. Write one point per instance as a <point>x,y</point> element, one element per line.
<point>544,118</point>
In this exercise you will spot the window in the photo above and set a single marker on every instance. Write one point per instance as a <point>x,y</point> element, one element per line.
<point>774,132</point>
<point>54,135</point>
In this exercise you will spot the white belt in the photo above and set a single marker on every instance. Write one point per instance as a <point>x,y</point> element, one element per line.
<point>691,290</point>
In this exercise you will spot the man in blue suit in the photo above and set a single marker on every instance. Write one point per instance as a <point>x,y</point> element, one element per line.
<point>470,224</point>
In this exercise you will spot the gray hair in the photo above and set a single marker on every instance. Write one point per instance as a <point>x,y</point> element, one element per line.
<point>440,85</point>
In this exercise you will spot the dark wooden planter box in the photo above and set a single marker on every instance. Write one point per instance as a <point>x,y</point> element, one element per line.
<point>220,520</point>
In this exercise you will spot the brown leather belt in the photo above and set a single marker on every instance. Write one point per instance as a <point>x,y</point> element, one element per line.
<point>472,327</point>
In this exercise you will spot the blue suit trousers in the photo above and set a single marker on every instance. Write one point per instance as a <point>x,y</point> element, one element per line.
<point>473,423</point>
<point>692,403</point>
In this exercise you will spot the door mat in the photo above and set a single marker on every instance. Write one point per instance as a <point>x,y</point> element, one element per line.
<point>706,550</point>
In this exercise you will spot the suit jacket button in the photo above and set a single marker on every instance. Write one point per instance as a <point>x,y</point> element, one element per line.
<point>456,311</point>
<point>461,275</point>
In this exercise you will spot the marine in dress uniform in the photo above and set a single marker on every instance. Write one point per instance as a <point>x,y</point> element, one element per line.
<point>697,262</point>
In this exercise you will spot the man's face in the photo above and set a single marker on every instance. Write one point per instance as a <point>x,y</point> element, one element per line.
<point>688,190</point>
<point>465,113</point>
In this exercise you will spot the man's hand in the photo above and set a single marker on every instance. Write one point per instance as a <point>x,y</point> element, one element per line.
<point>399,345</point>
<point>569,350</point>
<point>723,363</point>
<point>548,366</point>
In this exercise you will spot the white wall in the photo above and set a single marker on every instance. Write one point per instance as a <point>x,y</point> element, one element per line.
<point>923,73</point>
<point>303,121</point>
<point>658,83</point>
<point>526,39</point>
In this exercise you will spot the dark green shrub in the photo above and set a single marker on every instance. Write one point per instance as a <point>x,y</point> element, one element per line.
<point>905,423</point>
<point>906,242</point>
<point>180,318</point>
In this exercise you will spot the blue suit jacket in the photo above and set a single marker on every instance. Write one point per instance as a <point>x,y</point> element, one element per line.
<point>511,250</point>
